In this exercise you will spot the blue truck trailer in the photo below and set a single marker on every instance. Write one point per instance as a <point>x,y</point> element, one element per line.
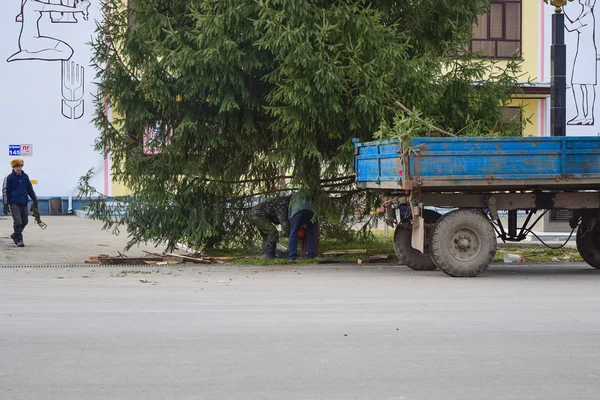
<point>477,177</point>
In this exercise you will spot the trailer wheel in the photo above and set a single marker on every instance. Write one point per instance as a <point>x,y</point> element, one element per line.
<point>463,243</point>
<point>588,245</point>
<point>402,244</point>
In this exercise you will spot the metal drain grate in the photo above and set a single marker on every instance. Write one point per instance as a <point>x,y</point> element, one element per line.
<point>81,266</point>
<point>127,266</point>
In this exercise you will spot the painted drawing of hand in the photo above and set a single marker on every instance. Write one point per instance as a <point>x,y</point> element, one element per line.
<point>82,6</point>
<point>72,80</point>
<point>64,11</point>
<point>72,89</point>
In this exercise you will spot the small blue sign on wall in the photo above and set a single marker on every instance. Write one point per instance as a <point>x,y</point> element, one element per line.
<point>14,149</point>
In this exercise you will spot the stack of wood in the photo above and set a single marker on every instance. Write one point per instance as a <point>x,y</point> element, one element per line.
<point>166,259</point>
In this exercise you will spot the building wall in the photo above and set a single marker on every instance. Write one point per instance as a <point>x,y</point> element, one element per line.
<point>530,25</point>
<point>118,189</point>
<point>530,107</point>
<point>534,106</point>
<point>46,96</point>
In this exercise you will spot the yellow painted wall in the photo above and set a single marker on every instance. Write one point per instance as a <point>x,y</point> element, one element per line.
<point>530,41</point>
<point>530,111</point>
<point>530,38</point>
<point>118,189</point>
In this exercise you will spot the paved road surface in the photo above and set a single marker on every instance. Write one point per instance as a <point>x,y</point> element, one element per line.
<point>67,240</point>
<point>220,332</point>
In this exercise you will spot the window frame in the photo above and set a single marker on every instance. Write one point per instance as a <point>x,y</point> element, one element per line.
<point>503,38</point>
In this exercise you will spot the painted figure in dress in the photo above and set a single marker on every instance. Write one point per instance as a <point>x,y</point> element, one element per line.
<point>584,76</point>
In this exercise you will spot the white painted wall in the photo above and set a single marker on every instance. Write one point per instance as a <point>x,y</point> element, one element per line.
<point>32,92</point>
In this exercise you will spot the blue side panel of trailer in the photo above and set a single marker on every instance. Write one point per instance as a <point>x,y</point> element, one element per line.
<point>460,160</point>
<point>505,158</point>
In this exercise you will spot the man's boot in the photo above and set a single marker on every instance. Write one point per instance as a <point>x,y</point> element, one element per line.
<point>14,238</point>
<point>18,239</point>
<point>273,250</point>
<point>265,249</point>
<point>269,249</point>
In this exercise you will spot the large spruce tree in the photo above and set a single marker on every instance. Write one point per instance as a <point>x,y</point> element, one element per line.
<point>246,92</point>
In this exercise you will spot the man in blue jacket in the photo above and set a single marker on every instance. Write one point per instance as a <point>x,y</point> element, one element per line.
<point>15,192</point>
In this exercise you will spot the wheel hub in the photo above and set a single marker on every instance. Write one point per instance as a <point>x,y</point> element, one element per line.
<point>464,245</point>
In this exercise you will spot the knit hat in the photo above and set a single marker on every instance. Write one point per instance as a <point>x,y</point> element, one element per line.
<point>16,162</point>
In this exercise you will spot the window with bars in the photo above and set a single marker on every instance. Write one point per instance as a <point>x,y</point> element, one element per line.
<point>512,114</point>
<point>498,33</point>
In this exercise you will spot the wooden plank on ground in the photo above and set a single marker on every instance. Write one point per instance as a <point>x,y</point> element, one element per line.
<point>342,252</point>
<point>127,260</point>
<point>220,258</point>
<point>191,259</point>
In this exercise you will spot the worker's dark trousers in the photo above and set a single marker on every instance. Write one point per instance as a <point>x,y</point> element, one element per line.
<point>20,219</point>
<point>303,217</point>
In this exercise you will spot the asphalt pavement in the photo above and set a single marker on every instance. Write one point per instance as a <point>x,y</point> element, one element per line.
<point>299,332</point>
<point>219,331</point>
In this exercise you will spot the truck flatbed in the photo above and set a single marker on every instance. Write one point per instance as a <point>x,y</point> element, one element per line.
<point>480,164</point>
<point>477,177</point>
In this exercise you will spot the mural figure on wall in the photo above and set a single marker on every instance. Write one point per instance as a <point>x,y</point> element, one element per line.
<point>584,76</point>
<point>32,44</point>
<point>35,46</point>
<point>56,17</point>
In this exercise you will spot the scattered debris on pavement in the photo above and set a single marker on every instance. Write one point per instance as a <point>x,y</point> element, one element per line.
<point>167,259</point>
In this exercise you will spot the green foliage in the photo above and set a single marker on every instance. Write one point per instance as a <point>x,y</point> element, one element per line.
<point>466,100</point>
<point>246,93</point>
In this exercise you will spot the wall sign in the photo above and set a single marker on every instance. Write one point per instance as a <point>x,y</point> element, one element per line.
<point>26,150</point>
<point>20,150</point>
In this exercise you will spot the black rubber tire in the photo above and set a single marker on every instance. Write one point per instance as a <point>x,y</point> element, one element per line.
<point>463,243</point>
<point>588,245</point>
<point>410,257</point>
